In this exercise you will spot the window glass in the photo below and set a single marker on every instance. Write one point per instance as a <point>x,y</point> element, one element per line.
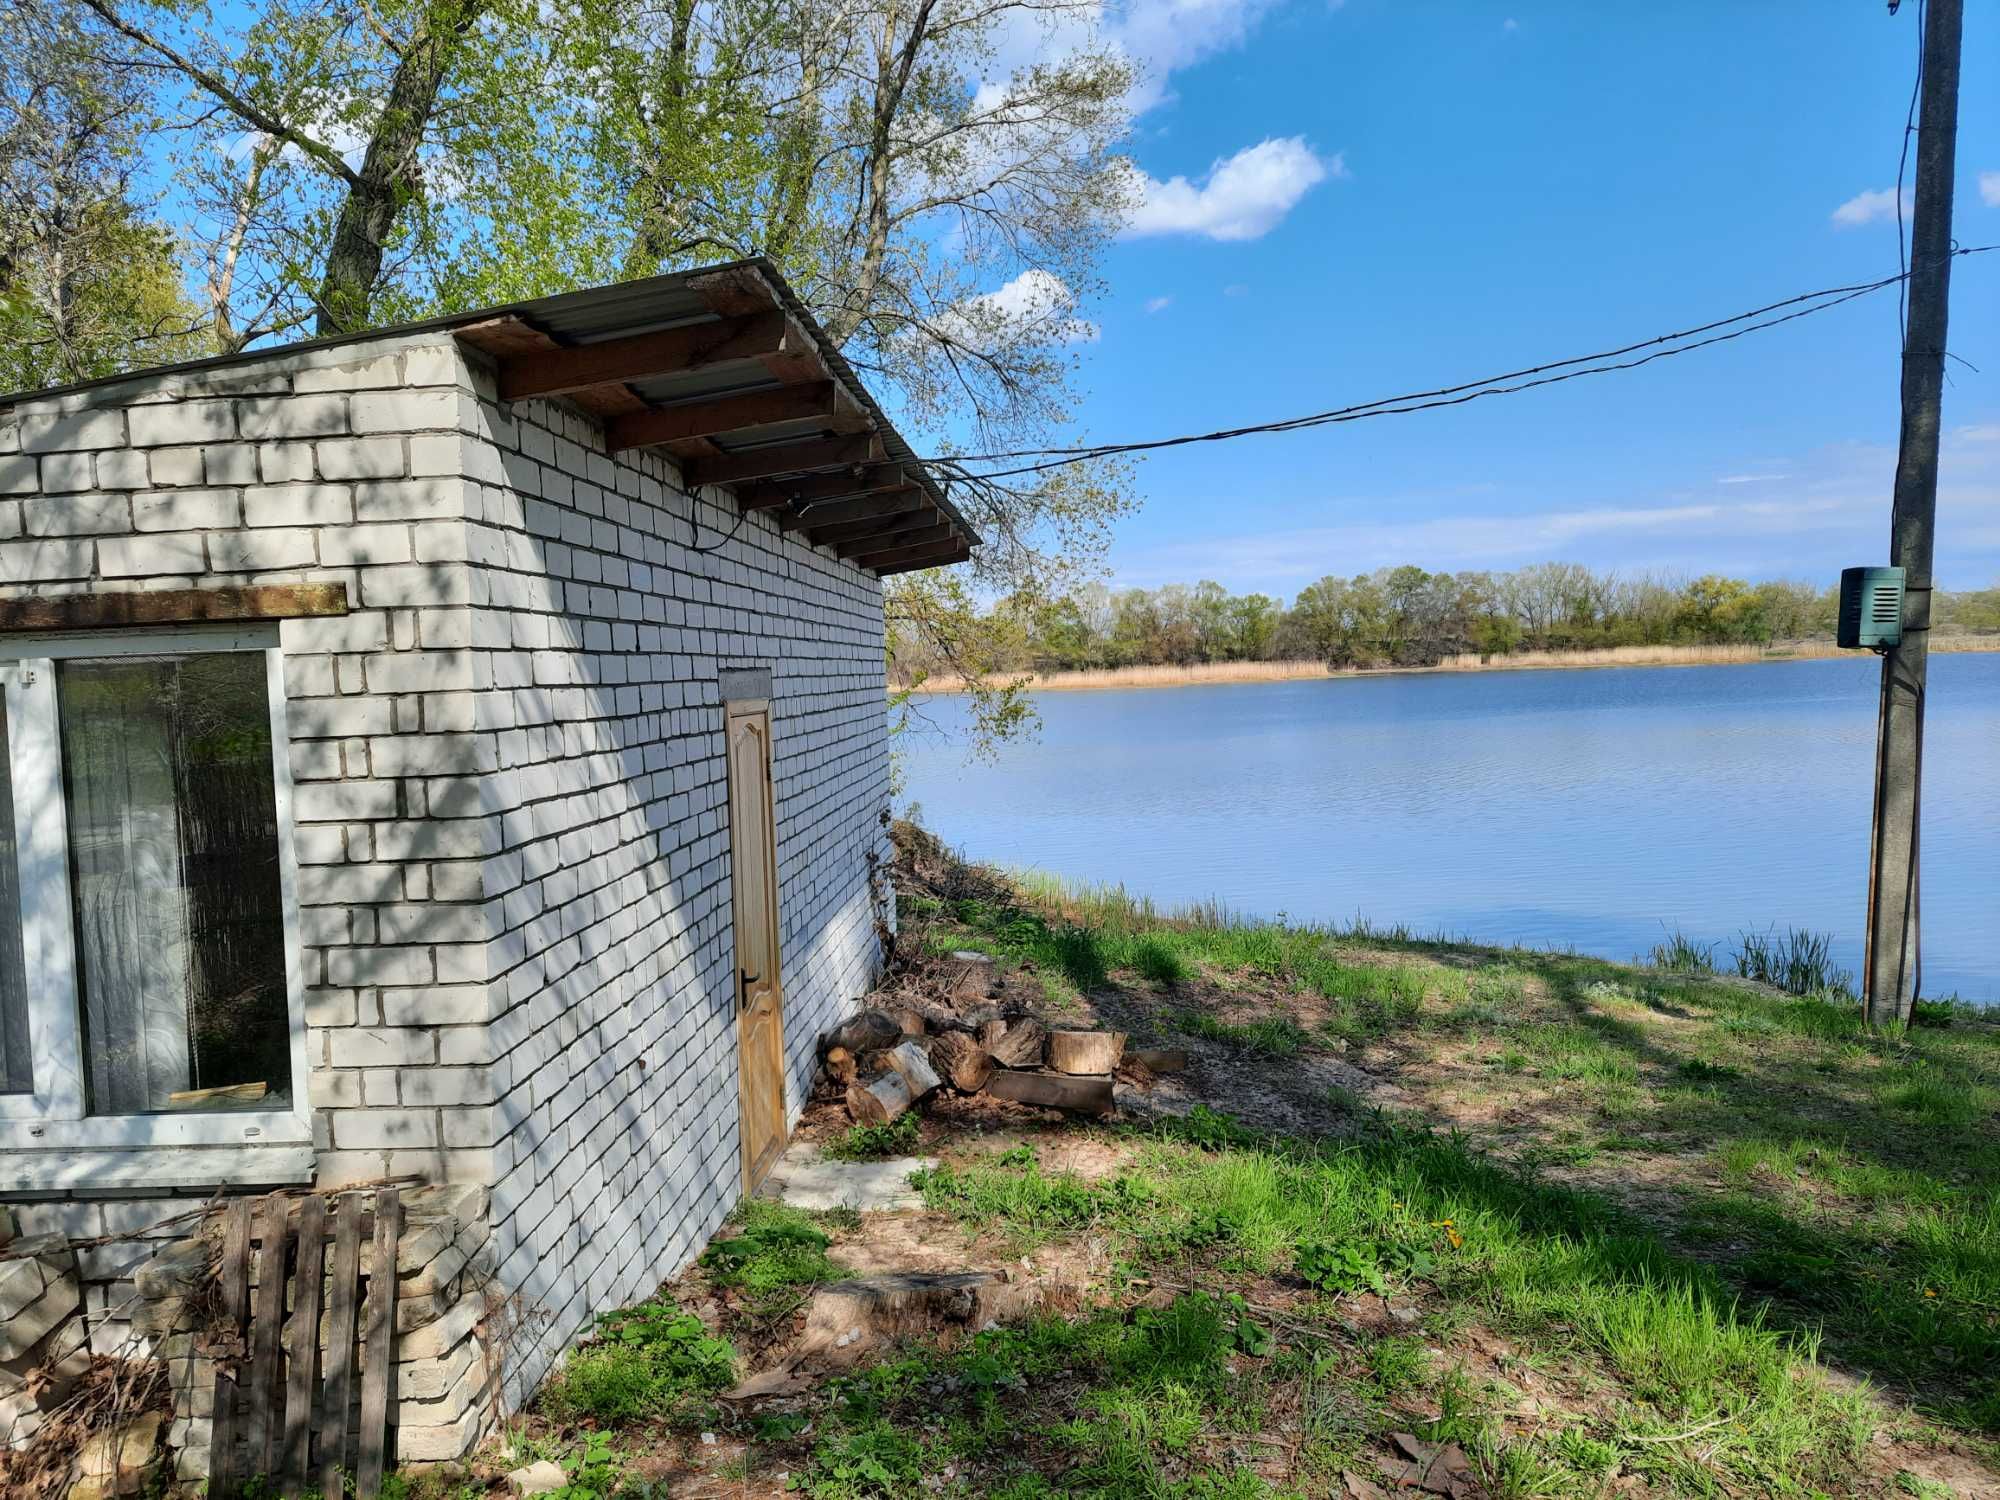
<point>173,847</point>
<point>17,1074</point>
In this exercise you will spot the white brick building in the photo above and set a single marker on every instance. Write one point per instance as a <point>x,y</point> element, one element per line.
<point>380,716</point>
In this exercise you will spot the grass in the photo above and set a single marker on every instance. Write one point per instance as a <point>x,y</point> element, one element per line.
<point>1610,1238</point>
<point>1797,961</point>
<point>877,1142</point>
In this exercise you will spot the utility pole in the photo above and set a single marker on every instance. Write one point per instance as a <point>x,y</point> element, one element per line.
<point>1889,982</point>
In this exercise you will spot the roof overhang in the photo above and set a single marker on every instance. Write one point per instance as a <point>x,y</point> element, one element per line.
<point>726,372</point>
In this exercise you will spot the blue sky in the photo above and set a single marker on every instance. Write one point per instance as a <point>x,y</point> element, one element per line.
<point>1437,192</point>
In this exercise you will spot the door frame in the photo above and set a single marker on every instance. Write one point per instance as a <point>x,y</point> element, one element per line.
<point>734,711</point>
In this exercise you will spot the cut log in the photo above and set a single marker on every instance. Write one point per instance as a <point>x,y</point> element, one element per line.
<point>1161,1059</point>
<point>990,1033</point>
<point>840,1065</point>
<point>1021,1045</point>
<point>911,1021</point>
<point>962,1060</point>
<point>1080,1095</point>
<point>850,1319</point>
<point>911,1061</point>
<point>863,1031</point>
<point>1086,1051</point>
<point>880,1100</point>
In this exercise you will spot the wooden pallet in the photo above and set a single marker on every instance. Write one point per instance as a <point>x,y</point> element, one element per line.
<point>265,1402</point>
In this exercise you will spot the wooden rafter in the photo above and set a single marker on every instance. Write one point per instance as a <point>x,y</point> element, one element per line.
<point>883,570</point>
<point>784,458</point>
<point>763,337</point>
<point>811,489</point>
<point>934,528</point>
<point>815,399</point>
<point>917,511</point>
<point>815,518</point>
<point>924,554</point>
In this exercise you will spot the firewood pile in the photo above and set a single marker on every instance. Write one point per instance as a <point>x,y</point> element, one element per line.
<point>966,1035</point>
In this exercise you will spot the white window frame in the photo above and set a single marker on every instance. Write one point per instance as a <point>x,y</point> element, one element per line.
<point>53,1117</point>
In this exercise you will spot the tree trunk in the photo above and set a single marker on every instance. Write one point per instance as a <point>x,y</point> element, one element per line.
<point>388,174</point>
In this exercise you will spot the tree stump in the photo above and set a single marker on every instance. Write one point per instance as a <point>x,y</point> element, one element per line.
<point>1086,1051</point>
<point>1020,1046</point>
<point>967,1064</point>
<point>880,1100</point>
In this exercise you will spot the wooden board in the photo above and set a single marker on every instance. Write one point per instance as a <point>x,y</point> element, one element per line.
<point>235,1275</point>
<point>1081,1095</point>
<point>109,610</point>
<point>376,1352</point>
<point>342,1319</point>
<point>302,1358</point>
<point>760,1013</point>
<point>264,1424</point>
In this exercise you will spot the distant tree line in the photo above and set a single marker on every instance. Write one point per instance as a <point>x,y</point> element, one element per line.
<point>1407,617</point>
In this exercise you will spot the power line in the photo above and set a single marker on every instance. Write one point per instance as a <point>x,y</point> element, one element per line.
<point>1554,372</point>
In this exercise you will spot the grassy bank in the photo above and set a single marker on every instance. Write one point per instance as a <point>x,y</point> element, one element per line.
<point>1207,673</point>
<point>1534,1224</point>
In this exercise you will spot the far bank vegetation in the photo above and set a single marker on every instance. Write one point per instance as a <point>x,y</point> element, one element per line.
<point>1548,614</point>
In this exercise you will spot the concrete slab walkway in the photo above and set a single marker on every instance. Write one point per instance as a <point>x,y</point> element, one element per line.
<point>805,1178</point>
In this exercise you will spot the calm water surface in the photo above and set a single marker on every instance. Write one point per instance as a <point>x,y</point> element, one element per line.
<point>1590,809</point>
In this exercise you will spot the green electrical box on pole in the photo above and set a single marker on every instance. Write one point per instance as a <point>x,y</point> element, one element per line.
<point>1871,608</point>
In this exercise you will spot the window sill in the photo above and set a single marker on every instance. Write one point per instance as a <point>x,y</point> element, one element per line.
<point>155,1167</point>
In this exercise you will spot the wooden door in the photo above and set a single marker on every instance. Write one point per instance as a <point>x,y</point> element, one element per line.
<point>760,1001</point>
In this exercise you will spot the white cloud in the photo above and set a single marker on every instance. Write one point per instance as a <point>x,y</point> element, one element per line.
<point>1158,304</point>
<point>1162,37</point>
<point>1243,196</point>
<point>1866,208</point>
<point>1036,304</point>
<point>1751,478</point>
<point>1985,432</point>
<point>1510,24</point>
<point>1989,189</point>
<point>1236,289</point>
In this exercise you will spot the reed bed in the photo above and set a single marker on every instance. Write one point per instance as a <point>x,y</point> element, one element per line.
<point>1201,674</point>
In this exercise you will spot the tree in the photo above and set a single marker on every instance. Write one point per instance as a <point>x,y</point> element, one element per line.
<point>327,149</point>
<point>88,285</point>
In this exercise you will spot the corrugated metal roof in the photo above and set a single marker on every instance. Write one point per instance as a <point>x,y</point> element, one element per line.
<point>620,311</point>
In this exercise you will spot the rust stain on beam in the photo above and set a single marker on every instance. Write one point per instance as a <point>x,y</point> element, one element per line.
<point>109,611</point>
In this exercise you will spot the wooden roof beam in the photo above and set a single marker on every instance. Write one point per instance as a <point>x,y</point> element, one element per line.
<point>769,338</point>
<point>783,458</point>
<point>714,415</point>
<point>811,489</point>
<point>920,555</point>
<point>818,517</point>
<point>883,538</point>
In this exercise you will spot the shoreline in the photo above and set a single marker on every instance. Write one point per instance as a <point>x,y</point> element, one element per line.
<point>1210,674</point>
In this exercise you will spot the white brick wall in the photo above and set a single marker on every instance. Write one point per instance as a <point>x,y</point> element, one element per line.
<point>508,760</point>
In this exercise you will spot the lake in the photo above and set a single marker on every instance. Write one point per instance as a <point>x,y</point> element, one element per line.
<point>1558,809</point>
